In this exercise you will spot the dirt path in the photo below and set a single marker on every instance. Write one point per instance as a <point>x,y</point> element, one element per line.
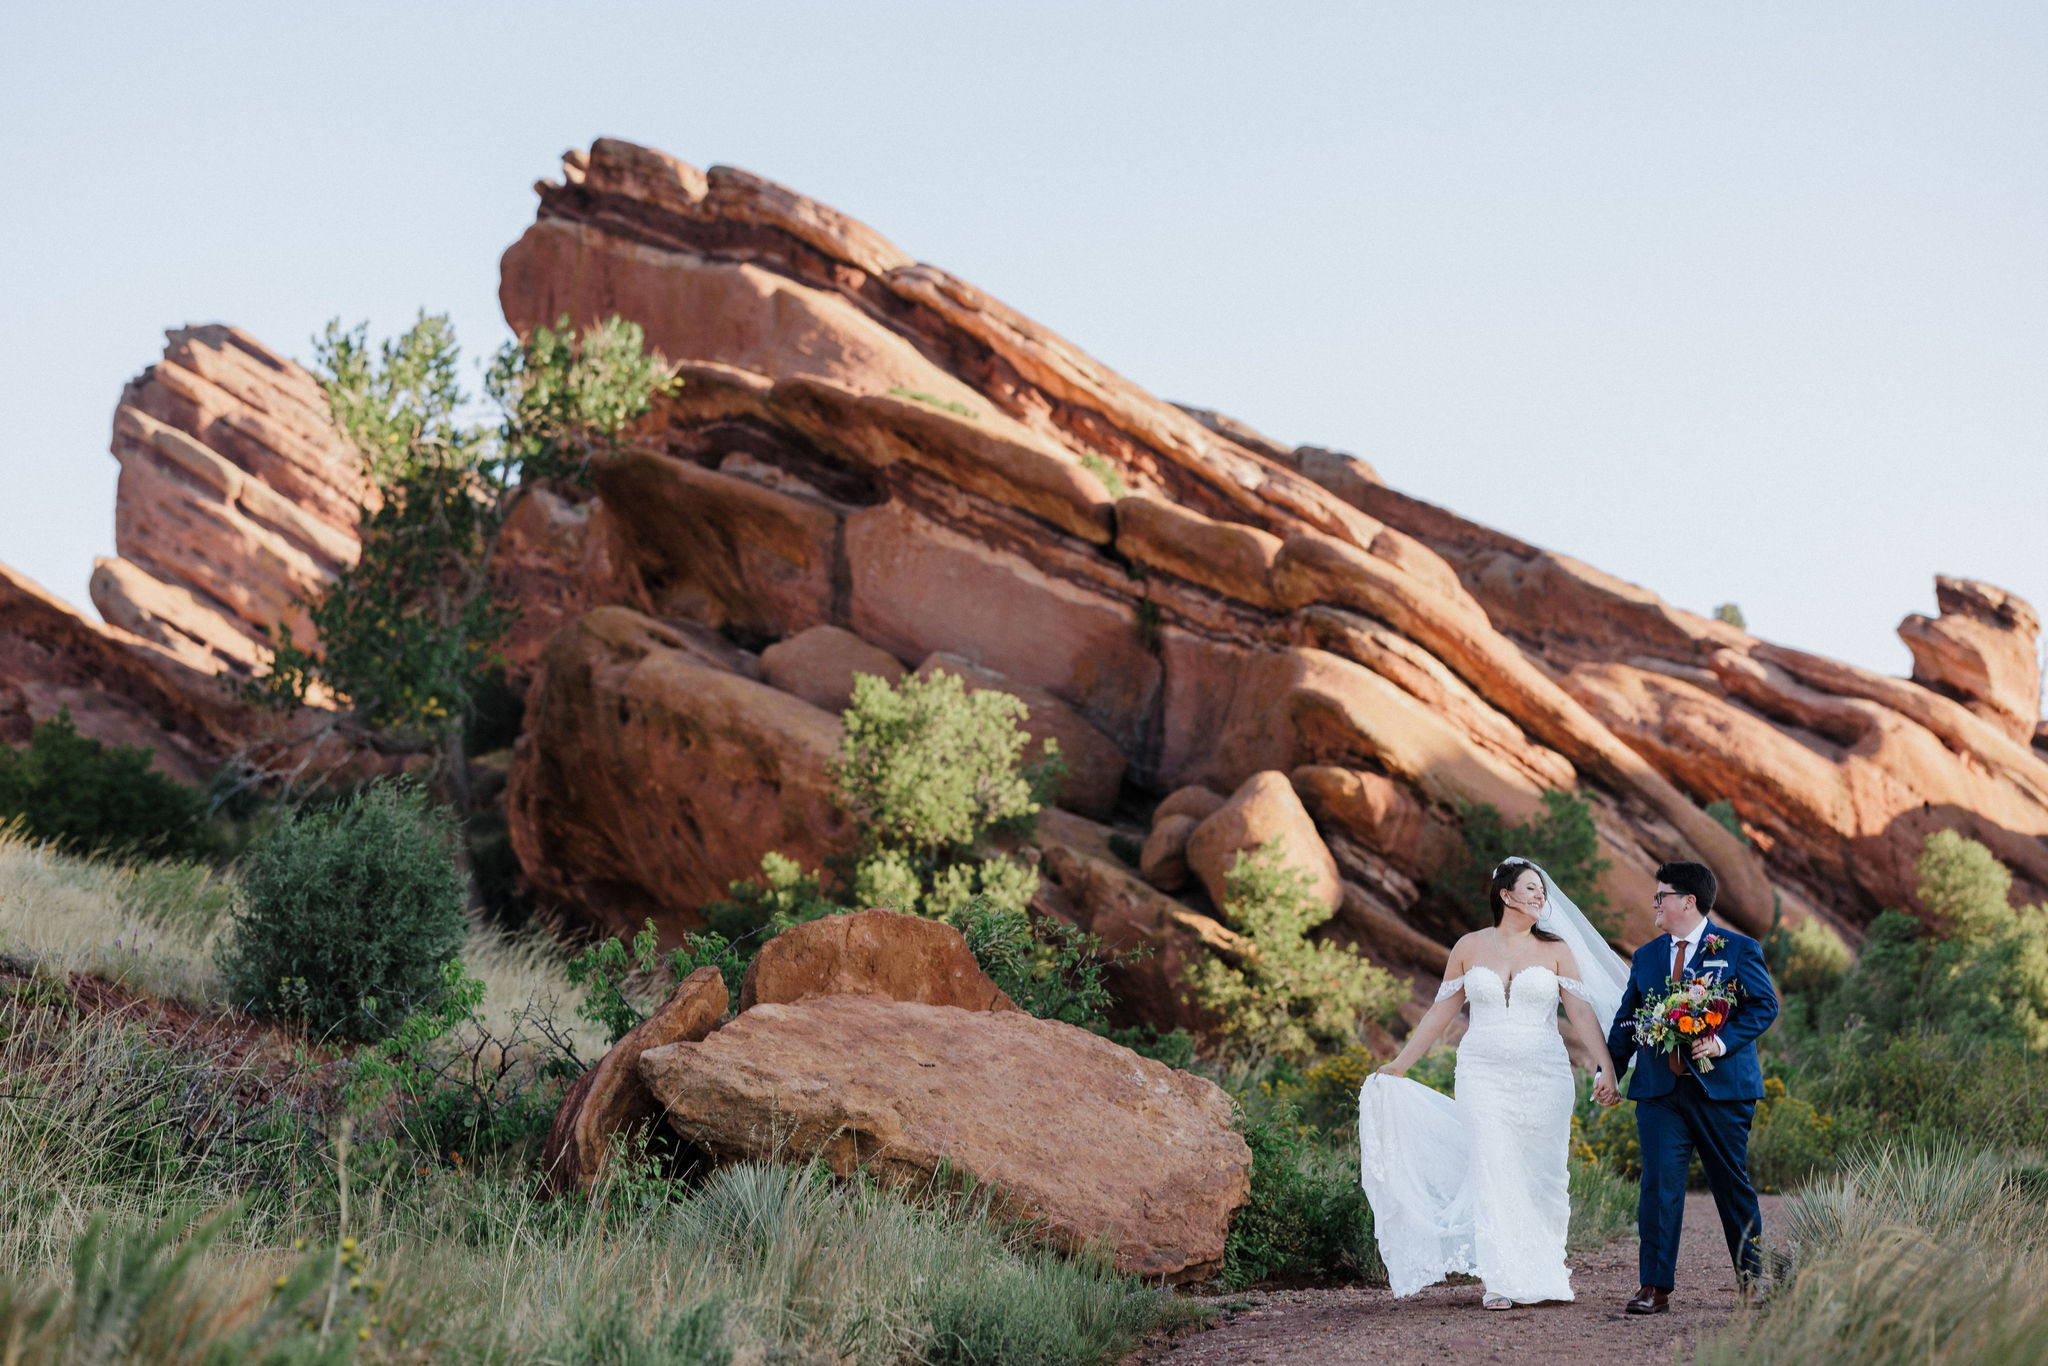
<point>1446,1324</point>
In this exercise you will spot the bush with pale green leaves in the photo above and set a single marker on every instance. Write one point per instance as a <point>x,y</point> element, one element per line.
<point>1292,995</point>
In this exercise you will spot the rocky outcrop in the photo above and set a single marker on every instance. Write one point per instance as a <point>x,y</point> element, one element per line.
<point>1066,1127</point>
<point>869,444</point>
<point>237,498</point>
<point>1265,810</point>
<point>1836,773</point>
<point>1981,651</point>
<point>119,688</point>
<point>870,953</point>
<point>655,769</point>
<point>611,1101</point>
<point>820,665</point>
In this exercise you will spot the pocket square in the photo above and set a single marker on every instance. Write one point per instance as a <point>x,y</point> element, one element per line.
<point>1714,963</point>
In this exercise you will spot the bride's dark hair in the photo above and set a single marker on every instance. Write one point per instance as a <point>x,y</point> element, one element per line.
<point>1505,875</point>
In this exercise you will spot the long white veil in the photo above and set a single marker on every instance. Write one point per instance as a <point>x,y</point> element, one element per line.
<point>1602,971</point>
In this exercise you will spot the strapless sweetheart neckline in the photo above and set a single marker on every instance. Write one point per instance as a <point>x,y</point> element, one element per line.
<point>1507,984</point>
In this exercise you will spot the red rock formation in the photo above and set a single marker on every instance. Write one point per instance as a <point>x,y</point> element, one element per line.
<point>868,443</point>
<point>119,688</point>
<point>1065,1127</point>
<point>236,498</point>
<point>611,1100</point>
<point>1837,773</point>
<point>870,953</point>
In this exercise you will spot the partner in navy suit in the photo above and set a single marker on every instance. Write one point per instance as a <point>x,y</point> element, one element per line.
<point>1679,1112</point>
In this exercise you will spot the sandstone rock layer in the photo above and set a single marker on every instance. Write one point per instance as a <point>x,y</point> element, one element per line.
<point>1071,1129</point>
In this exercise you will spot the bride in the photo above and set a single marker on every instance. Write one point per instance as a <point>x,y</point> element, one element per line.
<point>1478,1185</point>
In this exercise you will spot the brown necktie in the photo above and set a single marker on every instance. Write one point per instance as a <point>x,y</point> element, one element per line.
<point>1677,972</point>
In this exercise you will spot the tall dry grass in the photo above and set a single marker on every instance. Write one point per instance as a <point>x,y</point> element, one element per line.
<point>1930,1257</point>
<point>166,1198</point>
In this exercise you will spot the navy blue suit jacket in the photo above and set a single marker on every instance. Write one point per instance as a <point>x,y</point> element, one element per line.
<point>1736,1075</point>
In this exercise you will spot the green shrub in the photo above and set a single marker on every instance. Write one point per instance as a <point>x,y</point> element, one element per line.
<point>1563,839</point>
<point>932,771</point>
<point>67,788</point>
<point>1292,995</point>
<point>1789,1140</point>
<point>1307,1215</point>
<point>348,914</point>
<point>606,969</point>
<point>1328,1091</point>
<point>458,1086</point>
<point>1983,976</point>
<point>1049,968</point>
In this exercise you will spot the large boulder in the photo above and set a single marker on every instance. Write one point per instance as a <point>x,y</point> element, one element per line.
<point>1164,860</point>
<point>652,773</point>
<point>870,953</point>
<point>611,1101</point>
<point>1980,651</point>
<point>819,665</point>
<point>1265,808</point>
<point>1065,1126</point>
<point>1095,766</point>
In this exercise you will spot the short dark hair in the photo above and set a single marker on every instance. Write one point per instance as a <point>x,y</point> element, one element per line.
<point>1695,880</point>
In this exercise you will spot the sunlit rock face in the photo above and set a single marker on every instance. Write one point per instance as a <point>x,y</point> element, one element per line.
<point>867,443</point>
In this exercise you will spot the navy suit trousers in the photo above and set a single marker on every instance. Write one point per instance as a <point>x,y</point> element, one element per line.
<point>1671,1127</point>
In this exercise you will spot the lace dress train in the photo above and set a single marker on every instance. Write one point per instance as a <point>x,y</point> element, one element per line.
<point>1478,1184</point>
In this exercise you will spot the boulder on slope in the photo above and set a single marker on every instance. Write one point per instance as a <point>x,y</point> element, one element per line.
<point>1067,1127</point>
<point>819,665</point>
<point>611,1100</point>
<point>1264,808</point>
<point>870,953</point>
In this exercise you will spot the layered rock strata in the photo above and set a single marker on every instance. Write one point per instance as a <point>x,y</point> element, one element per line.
<point>870,444</point>
<point>237,499</point>
<point>1837,774</point>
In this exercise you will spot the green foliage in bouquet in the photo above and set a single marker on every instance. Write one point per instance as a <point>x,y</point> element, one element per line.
<point>70,789</point>
<point>348,914</point>
<point>1291,995</point>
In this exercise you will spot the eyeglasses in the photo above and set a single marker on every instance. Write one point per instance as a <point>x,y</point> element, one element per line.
<point>1657,898</point>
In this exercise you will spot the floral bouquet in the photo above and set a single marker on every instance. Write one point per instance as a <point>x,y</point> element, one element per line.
<point>1692,1009</point>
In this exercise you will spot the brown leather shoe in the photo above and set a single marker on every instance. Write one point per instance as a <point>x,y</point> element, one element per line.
<point>1649,1299</point>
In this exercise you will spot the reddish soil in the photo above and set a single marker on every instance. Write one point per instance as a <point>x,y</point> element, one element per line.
<point>1363,1324</point>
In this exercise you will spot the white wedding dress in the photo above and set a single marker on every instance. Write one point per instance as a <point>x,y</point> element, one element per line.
<point>1478,1184</point>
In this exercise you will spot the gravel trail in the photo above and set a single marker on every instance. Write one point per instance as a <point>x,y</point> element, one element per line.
<point>1445,1323</point>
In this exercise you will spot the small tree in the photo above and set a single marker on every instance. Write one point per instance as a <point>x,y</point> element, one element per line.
<point>69,788</point>
<point>1982,973</point>
<point>1731,614</point>
<point>409,634</point>
<point>349,914</point>
<point>1292,995</point>
<point>1563,839</point>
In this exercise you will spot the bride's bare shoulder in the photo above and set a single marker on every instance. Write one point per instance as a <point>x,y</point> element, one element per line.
<point>1467,949</point>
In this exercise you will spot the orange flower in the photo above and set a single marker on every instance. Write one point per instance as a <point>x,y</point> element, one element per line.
<point>1688,1025</point>
<point>1714,1018</point>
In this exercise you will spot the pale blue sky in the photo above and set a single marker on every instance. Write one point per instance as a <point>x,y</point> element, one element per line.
<point>1737,301</point>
